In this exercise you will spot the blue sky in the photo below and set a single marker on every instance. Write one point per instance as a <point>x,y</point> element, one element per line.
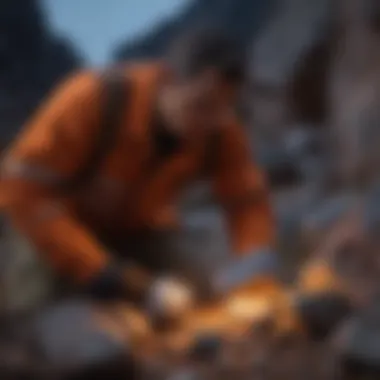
<point>97,25</point>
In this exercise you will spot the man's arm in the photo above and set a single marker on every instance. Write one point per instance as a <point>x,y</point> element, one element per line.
<point>319,303</point>
<point>242,190</point>
<point>51,148</point>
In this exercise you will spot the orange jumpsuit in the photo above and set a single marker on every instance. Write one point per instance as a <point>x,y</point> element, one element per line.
<point>125,196</point>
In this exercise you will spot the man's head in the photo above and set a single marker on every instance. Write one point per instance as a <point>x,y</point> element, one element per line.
<point>206,72</point>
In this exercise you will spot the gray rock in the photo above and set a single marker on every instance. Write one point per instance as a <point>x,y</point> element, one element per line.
<point>358,340</point>
<point>32,59</point>
<point>241,18</point>
<point>78,337</point>
<point>281,169</point>
<point>289,35</point>
<point>323,216</point>
<point>372,210</point>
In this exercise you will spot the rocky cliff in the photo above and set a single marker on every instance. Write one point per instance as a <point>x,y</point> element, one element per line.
<point>32,59</point>
<point>241,18</point>
<point>288,43</point>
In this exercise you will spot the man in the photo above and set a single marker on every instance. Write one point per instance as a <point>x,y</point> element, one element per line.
<point>174,112</point>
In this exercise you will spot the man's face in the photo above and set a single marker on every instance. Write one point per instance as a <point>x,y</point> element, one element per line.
<point>202,103</point>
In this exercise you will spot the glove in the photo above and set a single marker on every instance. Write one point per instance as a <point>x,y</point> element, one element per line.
<point>248,269</point>
<point>120,282</point>
<point>169,298</point>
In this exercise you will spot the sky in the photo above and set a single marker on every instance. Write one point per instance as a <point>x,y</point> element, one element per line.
<point>95,26</point>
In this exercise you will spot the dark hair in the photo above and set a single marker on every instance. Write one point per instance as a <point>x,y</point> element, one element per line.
<point>205,48</point>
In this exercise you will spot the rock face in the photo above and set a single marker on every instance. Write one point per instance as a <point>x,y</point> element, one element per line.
<point>284,37</point>
<point>241,18</point>
<point>32,60</point>
<point>354,92</point>
<point>289,57</point>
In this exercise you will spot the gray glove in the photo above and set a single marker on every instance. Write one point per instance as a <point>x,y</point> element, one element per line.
<point>244,269</point>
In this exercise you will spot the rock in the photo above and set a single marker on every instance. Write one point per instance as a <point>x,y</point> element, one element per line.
<point>323,216</point>
<point>242,19</point>
<point>354,95</point>
<point>371,213</point>
<point>322,313</point>
<point>32,59</point>
<point>26,282</point>
<point>292,206</point>
<point>279,47</point>
<point>358,341</point>
<point>304,145</point>
<point>76,338</point>
<point>282,171</point>
<point>206,348</point>
<point>186,374</point>
<point>289,69</point>
<point>296,158</point>
<point>346,247</point>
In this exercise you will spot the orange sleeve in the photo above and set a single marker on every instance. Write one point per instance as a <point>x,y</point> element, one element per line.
<point>51,147</point>
<point>241,188</point>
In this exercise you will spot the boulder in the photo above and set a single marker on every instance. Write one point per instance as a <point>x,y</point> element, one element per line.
<point>77,339</point>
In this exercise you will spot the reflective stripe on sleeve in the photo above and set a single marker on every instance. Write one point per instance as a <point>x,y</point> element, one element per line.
<point>16,169</point>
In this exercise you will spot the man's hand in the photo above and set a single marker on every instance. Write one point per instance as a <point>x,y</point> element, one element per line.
<point>245,270</point>
<point>121,281</point>
<point>169,298</point>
